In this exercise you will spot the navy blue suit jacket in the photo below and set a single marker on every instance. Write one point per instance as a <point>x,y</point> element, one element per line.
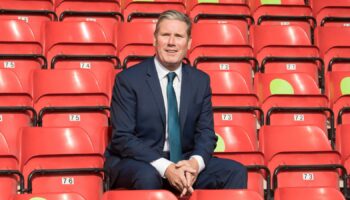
<point>138,116</point>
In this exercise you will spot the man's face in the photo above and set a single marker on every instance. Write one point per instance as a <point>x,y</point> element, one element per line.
<point>171,43</point>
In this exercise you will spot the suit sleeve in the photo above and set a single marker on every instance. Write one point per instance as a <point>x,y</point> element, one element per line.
<point>124,142</point>
<point>205,138</point>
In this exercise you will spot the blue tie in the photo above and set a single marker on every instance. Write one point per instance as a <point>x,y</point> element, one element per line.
<point>173,121</point>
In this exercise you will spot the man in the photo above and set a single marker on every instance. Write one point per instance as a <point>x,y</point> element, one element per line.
<point>162,121</point>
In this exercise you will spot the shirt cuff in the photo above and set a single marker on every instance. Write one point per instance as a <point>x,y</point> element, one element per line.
<point>161,165</point>
<point>200,161</point>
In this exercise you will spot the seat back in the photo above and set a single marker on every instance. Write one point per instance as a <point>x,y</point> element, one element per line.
<point>331,13</point>
<point>8,161</point>
<point>106,12</point>
<point>33,12</point>
<point>300,156</point>
<point>308,193</point>
<point>138,194</point>
<point>226,48</point>
<point>280,139</point>
<point>283,13</point>
<point>339,92</point>
<point>225,195</point>
<point>148,11</point>
<point>135,45</point>
<point>334,47</point>
<point>20,51</point>
<point>54,196</point>
<point>285,84</point>
<point>61,160</point>
<point>223,11</point>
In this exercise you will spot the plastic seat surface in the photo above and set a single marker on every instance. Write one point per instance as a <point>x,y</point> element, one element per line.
<point>320,193</point>
<point>51,196</point>
<point>225,195</point>
<point>138,195</point>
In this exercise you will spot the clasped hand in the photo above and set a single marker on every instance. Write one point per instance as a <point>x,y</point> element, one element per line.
<point>182,175</point>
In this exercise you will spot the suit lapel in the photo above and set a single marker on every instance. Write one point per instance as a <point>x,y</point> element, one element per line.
<point>186,88</point>
<point>154,84</point>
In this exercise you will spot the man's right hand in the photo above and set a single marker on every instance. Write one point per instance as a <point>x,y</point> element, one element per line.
<point>176,176</point>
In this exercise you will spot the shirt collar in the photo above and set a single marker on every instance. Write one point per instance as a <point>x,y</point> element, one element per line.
<point>162,71</point>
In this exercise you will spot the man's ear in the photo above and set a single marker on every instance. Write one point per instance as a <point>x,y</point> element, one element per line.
<point>154,41</point>
<point>189,43</point>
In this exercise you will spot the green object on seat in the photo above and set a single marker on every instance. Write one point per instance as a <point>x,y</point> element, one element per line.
<point>276,2</point>
<point>220,144</point>
<point>345,86</point>
<point>280,86</point>
<point>208,1</point>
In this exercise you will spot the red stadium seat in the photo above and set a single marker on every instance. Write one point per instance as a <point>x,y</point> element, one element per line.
<point>343,136</point>
<point>85,46</point>
<point>32,12</point>
<point>56,160</point>
<point>223,11</point>
<point>318,193</point>
<point>225,195</point>
<point>287,49</point>
<point>235,143</point>
<point>339,93</point>
<point>293,98</point>
<point>331,13</point>
<point>105,12</point>
<point>72,98</point>
<point>10,178</point>
<point>51,196</point>
<point>283,13</point>
<point>20,51</point>
<point>148,11</point>
<point>138,195</point>
<point>135,45</point>
<point>300,156</point>
<point>334,45</point>
<point>15,109</point>
<point>226,48</point>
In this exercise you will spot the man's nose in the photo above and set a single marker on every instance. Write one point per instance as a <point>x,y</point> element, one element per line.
<point>171,40</point>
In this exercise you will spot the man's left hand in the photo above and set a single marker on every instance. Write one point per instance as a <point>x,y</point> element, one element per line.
<point>190,177</point>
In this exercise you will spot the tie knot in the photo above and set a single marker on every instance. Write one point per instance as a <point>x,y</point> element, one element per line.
<point>171,76</point>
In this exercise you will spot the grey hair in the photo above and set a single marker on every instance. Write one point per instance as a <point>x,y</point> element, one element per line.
<point>174,15</point>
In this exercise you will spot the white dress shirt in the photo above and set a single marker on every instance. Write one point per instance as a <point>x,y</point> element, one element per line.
<point>162,164</point>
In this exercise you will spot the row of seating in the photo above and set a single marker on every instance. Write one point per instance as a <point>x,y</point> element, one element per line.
<point>281,194</point>
<point>67,159</point>
<point>259,10</point>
